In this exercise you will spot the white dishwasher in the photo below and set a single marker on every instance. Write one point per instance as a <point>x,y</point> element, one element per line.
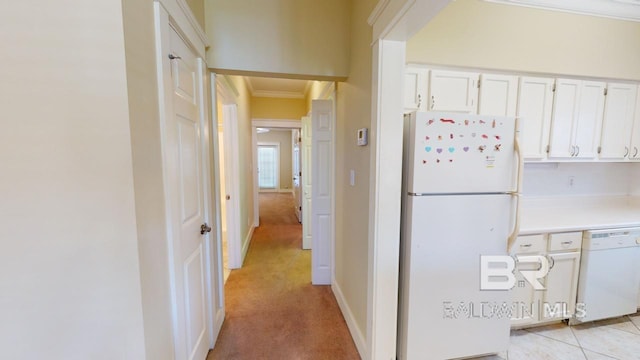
<point>609,282</point>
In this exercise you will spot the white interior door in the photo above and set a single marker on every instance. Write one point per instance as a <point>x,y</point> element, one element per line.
<point>322,169</point>
<point>306,183</point>
<point>297,172</point>
<point>184,139</point>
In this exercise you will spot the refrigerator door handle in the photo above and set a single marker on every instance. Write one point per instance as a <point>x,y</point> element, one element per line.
<point>516,223</point>
<point>518,150</point>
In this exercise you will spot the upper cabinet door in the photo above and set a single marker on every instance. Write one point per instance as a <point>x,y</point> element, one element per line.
<point>588,126</point>
<point>565,111</point>
<point>634,151</point>
<point>453,91</point>
<point>535,104</point>
<point>498,95</point>
<point>415,88</point>
<point>577,119</point>
<point>618,121</point>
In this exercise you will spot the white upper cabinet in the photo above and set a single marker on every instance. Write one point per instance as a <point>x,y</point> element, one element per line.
<point>498,95</point>
<point>415,88</point>
<point>618,121</point>
<point>455,91</point>
<point>535,103</point>
<point>577,119</point>
<point>634,151</point>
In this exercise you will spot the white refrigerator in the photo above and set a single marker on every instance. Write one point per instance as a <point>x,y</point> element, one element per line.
<point>460,198</point>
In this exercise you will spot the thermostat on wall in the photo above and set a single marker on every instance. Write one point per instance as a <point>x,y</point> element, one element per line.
<point>362,137</point>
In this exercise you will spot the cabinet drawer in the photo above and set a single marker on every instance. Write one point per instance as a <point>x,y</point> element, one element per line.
<point>565,241</point>
<point>529,244</point>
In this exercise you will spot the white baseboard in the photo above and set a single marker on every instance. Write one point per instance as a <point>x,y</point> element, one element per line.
<point>356,334</point>
<point>247,242</point>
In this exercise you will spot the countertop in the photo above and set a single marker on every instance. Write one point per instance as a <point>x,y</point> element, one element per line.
<point>563,214</point>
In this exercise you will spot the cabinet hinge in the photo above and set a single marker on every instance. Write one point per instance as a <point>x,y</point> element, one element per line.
<point>599,149</point>
<point>479,83</point>
<point>553,88</point>
<point>605,91</point>
<point>548,148</point>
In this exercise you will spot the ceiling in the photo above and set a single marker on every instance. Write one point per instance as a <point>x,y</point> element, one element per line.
<point>617,9</point>
<point>282,88</point>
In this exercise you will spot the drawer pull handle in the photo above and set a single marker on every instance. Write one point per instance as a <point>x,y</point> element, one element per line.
<point>567,242</point>
<point>525,245</point>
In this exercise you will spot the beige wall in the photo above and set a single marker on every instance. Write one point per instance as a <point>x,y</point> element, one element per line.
<point>197,7</point>
<point>69,261</point>
<point>147,171</point>
<point>352,202</point>
<point>245,155</point>
<point>481,34</point>
<point>283,138</point>
<point>277,108</point>
<point>296,37</point>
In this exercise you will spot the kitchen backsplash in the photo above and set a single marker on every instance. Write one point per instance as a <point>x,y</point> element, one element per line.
<point>574,179</point>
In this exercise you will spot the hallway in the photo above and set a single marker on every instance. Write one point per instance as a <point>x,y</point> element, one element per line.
<point>272,310</point>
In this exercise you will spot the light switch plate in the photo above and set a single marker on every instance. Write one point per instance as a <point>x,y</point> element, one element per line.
<point>363,137</point>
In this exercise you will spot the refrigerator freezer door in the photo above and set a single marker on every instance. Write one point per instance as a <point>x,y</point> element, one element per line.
<point>460,153</point>
<point>444,314</point>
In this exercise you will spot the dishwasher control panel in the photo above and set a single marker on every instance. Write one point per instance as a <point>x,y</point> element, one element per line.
<point>611,239</point>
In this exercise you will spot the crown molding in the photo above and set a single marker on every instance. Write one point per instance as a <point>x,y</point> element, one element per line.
<point>377,11</point>
<point>628,10</point>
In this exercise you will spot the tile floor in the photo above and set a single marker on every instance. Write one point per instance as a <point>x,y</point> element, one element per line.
<point>617,339</point>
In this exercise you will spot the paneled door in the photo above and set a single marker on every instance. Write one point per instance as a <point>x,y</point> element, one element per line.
<point>185,188</point>
<point>306,183</point>
<point>297,172</point>
<point>322,123</point>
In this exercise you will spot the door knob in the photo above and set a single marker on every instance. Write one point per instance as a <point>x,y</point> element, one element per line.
<point>228,197</point>
<point>204,228</point>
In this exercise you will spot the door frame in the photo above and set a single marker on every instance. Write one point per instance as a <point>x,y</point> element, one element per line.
<point>169,14</point>
<point>264,123</point>
<point>231,171</point>
<point>393,23</point>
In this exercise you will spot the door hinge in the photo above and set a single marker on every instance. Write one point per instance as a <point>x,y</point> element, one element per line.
<point>300,208</point>
<point>605,91</point>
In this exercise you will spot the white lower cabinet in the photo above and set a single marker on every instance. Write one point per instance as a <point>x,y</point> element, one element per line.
<point>557,301</point>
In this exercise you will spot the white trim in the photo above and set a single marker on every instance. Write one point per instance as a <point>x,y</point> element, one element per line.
<point>247,242</point>
<point>401,19</point>
<point>220,314</point>
<point>377,11</point>
<point>614,9</point>
<point>384,198</point>
<point>277,146</point>
<point>181,15</point>
<point>356,334</point>
<point>278,94</point>
<point>328,91</point>
<point>276,123</point>
<point>225,83</point>
<point>161,20</point>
